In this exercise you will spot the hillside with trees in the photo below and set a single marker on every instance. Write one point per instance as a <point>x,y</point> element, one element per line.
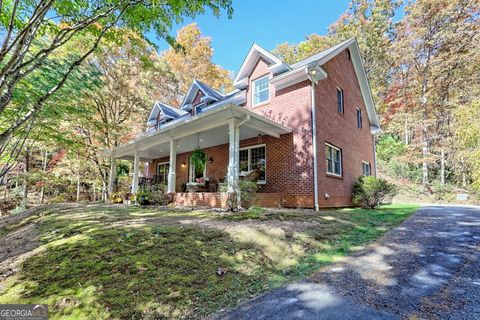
<point>422,61</point>
<point>85,81</point>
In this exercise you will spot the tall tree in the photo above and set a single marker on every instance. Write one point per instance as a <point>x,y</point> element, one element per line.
<point>191,59</point>
<point>434,42</point>
<point>371,23</point>
<point>34,32</point>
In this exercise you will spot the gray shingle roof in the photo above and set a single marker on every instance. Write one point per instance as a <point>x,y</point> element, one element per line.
<point>319,55</point>
<point>209,90</point>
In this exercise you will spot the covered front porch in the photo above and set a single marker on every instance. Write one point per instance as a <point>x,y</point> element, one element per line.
<point>219,131</point>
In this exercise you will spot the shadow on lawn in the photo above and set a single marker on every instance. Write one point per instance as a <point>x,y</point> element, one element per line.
<point>95,266</point>
<point>409,273</point>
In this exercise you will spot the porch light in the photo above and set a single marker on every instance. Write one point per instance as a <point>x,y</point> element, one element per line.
<point>183,164</point>
<point>210,160</point>
<point>313,72</point>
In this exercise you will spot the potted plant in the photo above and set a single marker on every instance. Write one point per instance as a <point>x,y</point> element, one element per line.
<point>199,159</point>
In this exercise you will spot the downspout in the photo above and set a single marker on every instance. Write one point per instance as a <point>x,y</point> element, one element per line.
<point>374,154</point>
<point>314,144</point>
<point>247,118</point>
<point>375,131</point>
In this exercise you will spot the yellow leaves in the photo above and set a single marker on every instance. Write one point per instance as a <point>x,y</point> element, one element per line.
<point>194,60</point>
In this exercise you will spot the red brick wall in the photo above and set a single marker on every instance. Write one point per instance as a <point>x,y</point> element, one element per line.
<point>289,168</point>
<point>290,158</point>
<point>341,130</point>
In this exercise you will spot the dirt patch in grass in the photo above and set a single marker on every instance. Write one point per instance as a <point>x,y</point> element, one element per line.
<point>124,262</point>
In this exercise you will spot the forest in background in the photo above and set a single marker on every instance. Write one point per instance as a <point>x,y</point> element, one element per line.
<point>74,89</point>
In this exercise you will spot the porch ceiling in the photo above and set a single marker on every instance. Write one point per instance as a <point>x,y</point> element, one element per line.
<point>207,129</point>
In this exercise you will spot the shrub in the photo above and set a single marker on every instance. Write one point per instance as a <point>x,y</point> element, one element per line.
<point>159,197</point>
<point>143,197</point>
<point>117,197</point>
<point>369,192</point>
<point>247,195</point>
<point>442,191</point>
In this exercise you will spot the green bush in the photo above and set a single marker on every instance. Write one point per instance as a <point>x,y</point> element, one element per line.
<point>369,192</point>
<point>160,198</point>
<point>443,191</point>
<point>247,195</point>
<point>143,197</point>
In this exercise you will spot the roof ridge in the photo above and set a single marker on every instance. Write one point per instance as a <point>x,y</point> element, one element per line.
<point>321,53</point>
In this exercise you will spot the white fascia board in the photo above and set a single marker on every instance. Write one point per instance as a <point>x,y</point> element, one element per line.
<point>174,109</point>
<point>298,75</point>
<point>241,84</point>
<point>195,124</point>
<point>190,92</point>
<point>276,65</point>
<point>289,78</point>
<point>364,86</point>
<point>151,115</point>
<point>237,99</point>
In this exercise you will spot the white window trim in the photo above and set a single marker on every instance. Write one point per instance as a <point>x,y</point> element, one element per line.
<point>253,90</point>
<point>250,162</point>
<point>191,170</point>
<point>163,163</point>
<point>370,166</point>
<point>343,100</point>
<point>341,162</point>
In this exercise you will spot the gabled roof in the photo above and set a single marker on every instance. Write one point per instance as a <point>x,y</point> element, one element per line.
<point>208,91</point>
<point>321,55</point>
<point>276,65</point>
<point>299,72</point>
<point>165,110</point>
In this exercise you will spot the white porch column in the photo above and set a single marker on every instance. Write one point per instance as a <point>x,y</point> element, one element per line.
<point>111,180</point>
<point>234,143</point>
<point>136,164</point>
<point>173,164</point>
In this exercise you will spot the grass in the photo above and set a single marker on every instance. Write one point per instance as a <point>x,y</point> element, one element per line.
<point>122,262</point>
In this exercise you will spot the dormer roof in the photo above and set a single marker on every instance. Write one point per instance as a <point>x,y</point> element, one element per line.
<point>275,65</point>
<point>161,109</point>
<point>209,94</point>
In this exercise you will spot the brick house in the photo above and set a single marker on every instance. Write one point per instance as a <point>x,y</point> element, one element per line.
<point>307,127</point>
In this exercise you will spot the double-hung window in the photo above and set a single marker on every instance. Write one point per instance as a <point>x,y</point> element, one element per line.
<point>260,90</point>
<point>359,118</point>
<point>366,168</point>
<point>333,160</point>
<point>254,158</point>
<point>162,172</point>
<point>340,102</point>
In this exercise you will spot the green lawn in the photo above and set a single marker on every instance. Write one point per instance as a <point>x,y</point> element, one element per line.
<point>124,262</point>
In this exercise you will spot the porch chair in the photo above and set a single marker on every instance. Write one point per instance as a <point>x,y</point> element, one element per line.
<point>252,175</point>
<point>200,185</point>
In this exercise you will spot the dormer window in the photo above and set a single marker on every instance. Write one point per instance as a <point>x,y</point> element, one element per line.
<point>260,90</point>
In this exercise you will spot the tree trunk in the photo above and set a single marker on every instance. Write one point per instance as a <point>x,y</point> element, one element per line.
<point>442,167</point>
<point>424,135</point>
<point>25,179</point>
<point>78,187</point>
<point>406,129</point>
<point>44,168</point>
<point>104,191</point>
<point>94,193</point>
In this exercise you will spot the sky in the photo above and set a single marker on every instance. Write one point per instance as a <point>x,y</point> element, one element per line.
<point>267,23</point>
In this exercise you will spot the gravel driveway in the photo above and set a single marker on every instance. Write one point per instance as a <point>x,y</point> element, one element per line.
<point>427,268</point>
